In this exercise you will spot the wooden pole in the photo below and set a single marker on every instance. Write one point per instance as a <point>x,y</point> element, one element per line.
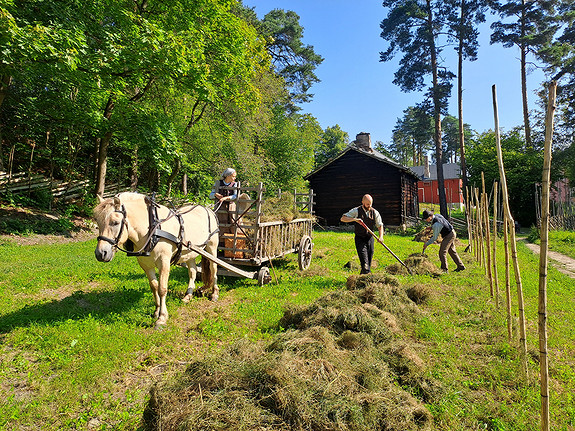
<point>507,277</point>
<point>543,360</point>
<point>495,278</point>
<point>479,229</point>
<point>505,197</point>
<point>487,234</point>
<point>468,219</point>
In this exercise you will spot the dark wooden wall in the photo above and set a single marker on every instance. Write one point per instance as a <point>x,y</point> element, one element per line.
<point>340,186</point>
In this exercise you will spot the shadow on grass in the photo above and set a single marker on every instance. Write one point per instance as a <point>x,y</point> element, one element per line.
<point>102,305</point>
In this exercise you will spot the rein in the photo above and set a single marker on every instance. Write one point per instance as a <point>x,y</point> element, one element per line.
<point>155,232</point>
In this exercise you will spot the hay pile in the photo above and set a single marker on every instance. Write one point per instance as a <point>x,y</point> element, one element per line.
<point>342,364</point>
<point>281,208</point>
<point>418,263</point>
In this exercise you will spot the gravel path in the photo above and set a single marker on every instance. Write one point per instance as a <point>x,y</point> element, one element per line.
<point>562,263</point>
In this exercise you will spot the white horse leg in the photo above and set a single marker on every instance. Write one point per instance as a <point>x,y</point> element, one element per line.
<point>164,274</point>
<point>192,272</point>
<point>151,274</point>
<point>215,289</point>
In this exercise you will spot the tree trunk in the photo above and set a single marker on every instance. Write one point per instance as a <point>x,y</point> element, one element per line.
<point>102,150</point>
<point>542,309</point>
<point>134,174</point>
<point>523,49</point>
<point>437,117</point>
<point>5,81</point>
<point>103,145</point>
<point>460,107</point>
<point>185,184</point>
<point>173,175</point>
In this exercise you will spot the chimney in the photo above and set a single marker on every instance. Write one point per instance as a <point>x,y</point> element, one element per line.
<point>426,173</point>
<point>363,141</point>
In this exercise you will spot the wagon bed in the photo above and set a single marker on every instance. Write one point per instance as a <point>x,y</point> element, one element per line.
<point>253,242</point>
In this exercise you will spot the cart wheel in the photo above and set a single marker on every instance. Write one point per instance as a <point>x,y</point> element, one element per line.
<point>264,276</point>
<point>304,254</point>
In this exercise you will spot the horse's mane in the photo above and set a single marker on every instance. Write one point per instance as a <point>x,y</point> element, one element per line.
<point>101,208</point>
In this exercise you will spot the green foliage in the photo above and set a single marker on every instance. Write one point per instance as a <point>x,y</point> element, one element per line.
<point>289,150</point>
<point>523,167</point>
<point>332,142</point>
<point>161,90</point>
<point>412,136</point>
<point>450,139</point>
<point>292,60</point>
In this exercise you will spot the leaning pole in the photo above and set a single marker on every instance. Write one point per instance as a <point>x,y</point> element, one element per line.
<point>505,198</point>
<point>542,324</point>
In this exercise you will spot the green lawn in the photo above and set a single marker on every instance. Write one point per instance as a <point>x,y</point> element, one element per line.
<point>78,349</point>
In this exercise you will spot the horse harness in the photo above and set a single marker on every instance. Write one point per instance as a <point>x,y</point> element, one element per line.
<point>155,233</point>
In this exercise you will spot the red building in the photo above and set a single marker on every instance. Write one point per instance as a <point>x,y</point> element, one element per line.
<point>428,192</point>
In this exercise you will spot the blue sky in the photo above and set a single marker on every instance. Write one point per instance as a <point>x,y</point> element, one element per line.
<point>357,91</point>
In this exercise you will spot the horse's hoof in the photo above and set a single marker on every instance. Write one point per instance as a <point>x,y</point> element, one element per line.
<point>187,298</point>
<point>215,298</point>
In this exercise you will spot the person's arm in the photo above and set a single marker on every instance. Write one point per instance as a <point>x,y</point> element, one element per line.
<point>436,229</point>
<point>379,225</point>
<point>350,216</point>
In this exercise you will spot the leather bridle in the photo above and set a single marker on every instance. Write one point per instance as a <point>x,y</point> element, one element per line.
<point>114,242</point>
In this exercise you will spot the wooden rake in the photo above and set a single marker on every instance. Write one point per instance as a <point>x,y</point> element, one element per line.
<point>386,247</point>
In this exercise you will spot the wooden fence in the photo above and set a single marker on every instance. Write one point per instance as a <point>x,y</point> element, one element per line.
<point>22,183</point>
<point>562,212</point>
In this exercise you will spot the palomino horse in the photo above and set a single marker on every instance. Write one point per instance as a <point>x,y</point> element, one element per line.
<point>158,236</point>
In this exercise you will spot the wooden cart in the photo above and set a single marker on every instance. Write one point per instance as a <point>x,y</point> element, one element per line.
<point>248,241</point>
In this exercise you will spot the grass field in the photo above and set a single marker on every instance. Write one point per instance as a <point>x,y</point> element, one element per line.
<point>78,349</point>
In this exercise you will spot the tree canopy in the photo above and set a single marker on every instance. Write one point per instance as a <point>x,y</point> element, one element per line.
<point>174,91</point>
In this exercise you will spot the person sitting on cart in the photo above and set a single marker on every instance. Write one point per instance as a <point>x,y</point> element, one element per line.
<point>364,240</point>
<point>224,192</point>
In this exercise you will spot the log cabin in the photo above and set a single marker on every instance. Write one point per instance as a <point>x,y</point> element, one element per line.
<point>340,183</point>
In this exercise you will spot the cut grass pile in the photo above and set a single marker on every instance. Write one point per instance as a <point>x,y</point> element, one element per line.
<point>343,363</point>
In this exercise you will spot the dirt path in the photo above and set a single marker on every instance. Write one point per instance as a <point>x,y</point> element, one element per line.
<point>562,263</point>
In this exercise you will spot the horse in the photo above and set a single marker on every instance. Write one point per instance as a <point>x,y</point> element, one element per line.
<point>158,236</point>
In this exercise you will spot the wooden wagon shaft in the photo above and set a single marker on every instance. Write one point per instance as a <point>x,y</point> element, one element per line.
<point>203,253</point>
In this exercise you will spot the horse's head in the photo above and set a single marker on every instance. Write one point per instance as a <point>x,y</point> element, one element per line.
<point>110,215</point>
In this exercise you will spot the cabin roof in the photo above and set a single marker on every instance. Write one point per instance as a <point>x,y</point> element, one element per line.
<point>370,153</point>
<point>450,171</point>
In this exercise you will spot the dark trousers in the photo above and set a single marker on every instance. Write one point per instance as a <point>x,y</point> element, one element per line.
<point>364,247</point>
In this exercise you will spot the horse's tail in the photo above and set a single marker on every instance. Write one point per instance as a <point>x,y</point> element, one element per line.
<point>208,276</point>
